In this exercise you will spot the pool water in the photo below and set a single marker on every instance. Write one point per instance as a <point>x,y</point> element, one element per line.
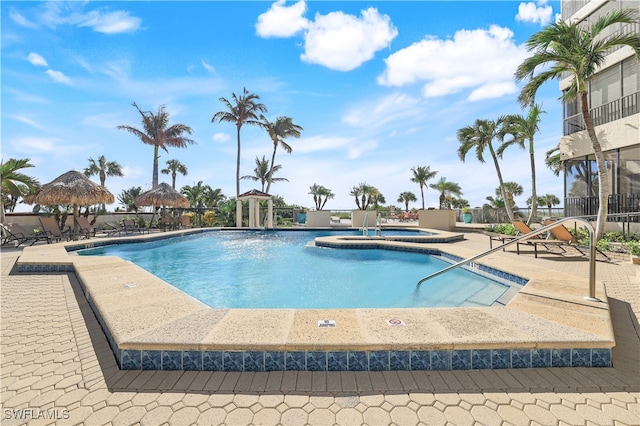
<point>283,269</point>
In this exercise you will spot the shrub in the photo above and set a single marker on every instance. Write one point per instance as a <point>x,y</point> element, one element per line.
<point>209,218</point>
<point>503,228</point>
<point>633,247</point>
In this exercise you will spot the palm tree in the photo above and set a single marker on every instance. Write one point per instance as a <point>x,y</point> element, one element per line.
<point>157,132</point>
<point>11,180</point>
<point>241,110</point>
<point>511,189</point>
<point>553,160</point>
<point>579,50</point>
<point>196,194</point>
<point>103,168</point>
<point>446,190</point>
<point>479,136</point>
<point>279,130</point>
<point>548,200</point>
<point>364,194</point>
<point>524,129</point>
<point>127,198</point>
<point>174,167</point>
<point>421,174</point>
<point>319,191</point>
<point>263,172</point>
<point>213,197</point>
<point>408,197</point>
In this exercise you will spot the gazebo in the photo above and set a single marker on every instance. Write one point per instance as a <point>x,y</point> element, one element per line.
<point>254,208</point>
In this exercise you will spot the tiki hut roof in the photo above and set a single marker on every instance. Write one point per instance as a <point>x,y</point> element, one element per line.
<point>162,195</point>
<point>72,187</point>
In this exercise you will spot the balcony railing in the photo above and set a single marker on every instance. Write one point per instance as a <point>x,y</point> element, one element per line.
<point>620,108</point>
<point>618,203</point>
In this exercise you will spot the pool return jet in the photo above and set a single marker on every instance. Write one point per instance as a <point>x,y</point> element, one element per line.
<point>592,254</point>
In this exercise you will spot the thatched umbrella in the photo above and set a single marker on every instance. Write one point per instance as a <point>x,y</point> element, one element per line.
<point>162,195</point>
<point>74,188</point>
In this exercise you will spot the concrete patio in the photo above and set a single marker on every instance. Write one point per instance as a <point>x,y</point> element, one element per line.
<point>57,368</point>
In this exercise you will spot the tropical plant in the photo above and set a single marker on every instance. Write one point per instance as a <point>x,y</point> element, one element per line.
<point>196,194</point>
<point>14,182</point>
<point>447,190</point>
<point>459,203</point>
<point>278,131</point>
<point>406,198</point>
<point>173,168</point>
<point>263,173</point>
<point>319,191</point>
<point>213,197</point>
<point>553,160</point>
<point>523,129</point>
<point>512,190</point>
<point>479,136</point>
<point>579,50</point>
<point>102,168</point>
<point>157,132</point>
<point>241,110</point>
<point>127,198</point>
<point>548,200</point>
<point>421,174</point>
<point>364,194</point>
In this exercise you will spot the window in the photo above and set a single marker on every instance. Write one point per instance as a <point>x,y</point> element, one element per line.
<point>605,87</point>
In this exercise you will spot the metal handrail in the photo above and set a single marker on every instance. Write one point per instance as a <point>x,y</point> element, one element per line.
<point>592,254</point>
<point>365,228</point>
<point>378,227</point>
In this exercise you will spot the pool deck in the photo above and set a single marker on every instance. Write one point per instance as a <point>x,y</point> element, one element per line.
<point>55,356</point>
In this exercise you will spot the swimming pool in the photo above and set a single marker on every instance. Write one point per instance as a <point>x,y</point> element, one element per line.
<point>284,269</point>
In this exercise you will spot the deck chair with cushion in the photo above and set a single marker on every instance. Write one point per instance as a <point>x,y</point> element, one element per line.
<point>560,239</point>
<point>131,227</point>
<point>112,228</point>
<point>16,233</point>
<point>50,227</point>
<point>185,221</point>
<point>561,233</point>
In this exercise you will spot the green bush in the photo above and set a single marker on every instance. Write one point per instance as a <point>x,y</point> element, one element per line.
<point>503,228</point>
<point>633,247</point>
<point>209,218</point>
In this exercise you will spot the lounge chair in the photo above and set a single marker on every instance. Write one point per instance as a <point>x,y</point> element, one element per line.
<point>112,228</point>
<point>562,239</point>
<point>185,221</point>
<point>16,233</point>
<point>50,227</point>
<point>131,227</point>
<point>561,233</point>
<point>85,229</point>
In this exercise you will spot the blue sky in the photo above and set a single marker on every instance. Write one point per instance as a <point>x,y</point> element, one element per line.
<point>379,87</point>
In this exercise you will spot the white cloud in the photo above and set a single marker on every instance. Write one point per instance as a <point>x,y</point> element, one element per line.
<point>221,137</point>
<point>58,77</point>
<point>34,144</point>
<point>101,20</point>
<point>373,114</point>
<point>26,120</point>
<point>37,60</point>
<point>338,41</point>
<point>282,21</point>
<point>110,22</point>
<point>445,64</point>
<point>21,20</point>
<point>208,67</point>
<point>343,42</point>
<point>539,12</point>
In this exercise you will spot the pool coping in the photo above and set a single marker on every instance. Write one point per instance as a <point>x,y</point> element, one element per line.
<point>152,325</point>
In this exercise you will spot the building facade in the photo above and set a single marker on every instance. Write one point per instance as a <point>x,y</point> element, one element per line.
<point>614,100</point>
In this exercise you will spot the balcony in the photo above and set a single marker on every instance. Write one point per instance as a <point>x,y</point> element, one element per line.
<point>620,108</point>
<point>618,203</point>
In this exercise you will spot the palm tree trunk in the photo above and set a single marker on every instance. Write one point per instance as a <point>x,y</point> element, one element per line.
<point>173,180</point>
<point>273,160</point>
<point>154,181</point>
<point>422,194</point>
<point>238,165</point>
<point>502,190</point>
<point>534,195</point>
<point>603,173</point>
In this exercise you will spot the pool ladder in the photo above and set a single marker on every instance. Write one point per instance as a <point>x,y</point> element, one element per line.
<point>377,228</point>
<point>592,254</point>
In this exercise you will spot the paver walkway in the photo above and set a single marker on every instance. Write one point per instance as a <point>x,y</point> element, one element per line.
<point>57,368</point>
